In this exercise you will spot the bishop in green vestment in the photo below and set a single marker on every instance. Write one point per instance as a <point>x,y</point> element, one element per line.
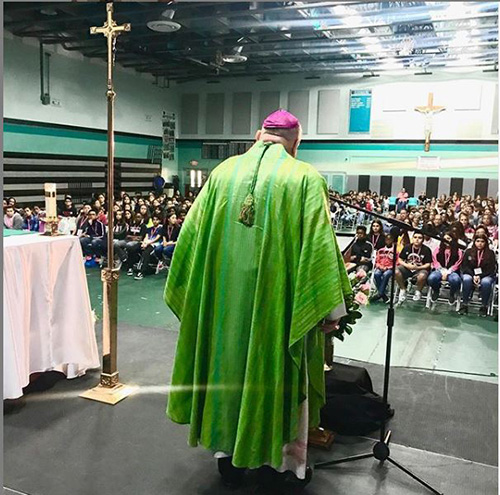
<point>255,269</point>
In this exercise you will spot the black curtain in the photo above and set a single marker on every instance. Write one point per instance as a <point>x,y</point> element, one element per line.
<point>385,185</point>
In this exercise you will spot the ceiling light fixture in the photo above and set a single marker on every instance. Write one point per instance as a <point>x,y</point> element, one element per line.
<point>166,25</point>
<point>236,57</point>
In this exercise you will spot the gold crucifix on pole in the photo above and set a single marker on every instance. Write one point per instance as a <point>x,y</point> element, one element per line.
<point>429,111</point>
<point>110,390</point>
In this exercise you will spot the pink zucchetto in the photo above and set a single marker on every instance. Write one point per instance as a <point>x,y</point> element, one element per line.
<point>281,119</point>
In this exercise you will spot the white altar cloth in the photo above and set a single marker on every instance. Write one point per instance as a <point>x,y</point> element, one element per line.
<point>47,318</point>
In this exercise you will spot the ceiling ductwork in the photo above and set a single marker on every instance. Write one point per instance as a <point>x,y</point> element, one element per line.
<point>197,40</point>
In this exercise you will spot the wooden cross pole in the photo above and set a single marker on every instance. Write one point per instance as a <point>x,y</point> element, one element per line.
<point>429,111</point>
<point>109,389</point>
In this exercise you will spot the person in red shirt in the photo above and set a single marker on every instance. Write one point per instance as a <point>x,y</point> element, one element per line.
<point>383,268</point>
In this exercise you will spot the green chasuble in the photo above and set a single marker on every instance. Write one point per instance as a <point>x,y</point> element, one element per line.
<point>249,299</point>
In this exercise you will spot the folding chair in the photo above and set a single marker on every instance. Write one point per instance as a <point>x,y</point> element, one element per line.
<point>446,286</point>
<point>493,301</point>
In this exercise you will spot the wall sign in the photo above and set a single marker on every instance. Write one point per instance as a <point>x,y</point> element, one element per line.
<point>429,163</point>
<point>360,108</point>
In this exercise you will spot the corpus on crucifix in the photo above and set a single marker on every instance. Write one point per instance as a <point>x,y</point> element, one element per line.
<point>109,389</point>
<point>429,111</point>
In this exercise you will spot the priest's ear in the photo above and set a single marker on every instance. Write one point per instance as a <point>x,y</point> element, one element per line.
<point>258,134</point>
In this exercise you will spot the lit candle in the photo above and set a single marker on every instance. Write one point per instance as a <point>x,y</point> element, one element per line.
<point>50,202</point>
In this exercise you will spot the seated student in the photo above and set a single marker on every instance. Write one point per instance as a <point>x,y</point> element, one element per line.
<point>482,230</point>
<point>479,269</point>
<point>457,231</point>
<point>136,232</point>
<point>82,219</point>
<point>12,219</point>
<point>439,223</point>
<point>487,221</point>
<point>446,261</point>
<point>144,211</point>
<point>383,268</point>
<point>120,230</point>
<point>67,209</point>
<point>150,242</point>
<point>402,200</point>
<point>414,261</point>
<point>170,233</point>
<point>387,225</point>
<point>31,221</point>
<point>361,250</point>
<point>182,216</point>
<point>102,216</point>
<point>41,218</point>
<point>13,202</point>
<point>376,236</point>
<point>93,238</point>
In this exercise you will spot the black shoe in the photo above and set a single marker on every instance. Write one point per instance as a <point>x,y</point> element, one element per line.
<point>452,299</point>
<point>435,295</point>
<point>376,297</point>
<point>385,299</point>
<point>483,311</point>
<point>464,310</point>
<point>232,477</point>
<point>285,483</point>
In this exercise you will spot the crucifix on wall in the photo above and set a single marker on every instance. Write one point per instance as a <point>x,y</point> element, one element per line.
<point>429,111</point>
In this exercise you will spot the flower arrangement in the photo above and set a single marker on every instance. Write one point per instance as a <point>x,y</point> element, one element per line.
<point>358,298</point>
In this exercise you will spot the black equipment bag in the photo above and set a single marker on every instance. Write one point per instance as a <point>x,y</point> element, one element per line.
<point>352,407</point>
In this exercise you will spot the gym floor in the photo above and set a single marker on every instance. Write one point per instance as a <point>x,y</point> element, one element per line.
<point>440,341</point>
<point>443,389</point>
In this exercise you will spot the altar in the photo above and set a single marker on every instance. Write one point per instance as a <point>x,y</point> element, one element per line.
<point>47,318</point>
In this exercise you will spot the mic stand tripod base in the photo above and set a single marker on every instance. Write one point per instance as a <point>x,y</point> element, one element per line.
<point>382,453</point>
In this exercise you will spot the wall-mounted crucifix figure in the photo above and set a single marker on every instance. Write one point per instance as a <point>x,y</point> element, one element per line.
<point>429,111</point>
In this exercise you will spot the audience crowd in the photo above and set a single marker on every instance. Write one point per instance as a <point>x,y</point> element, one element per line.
<point>451,241</point>
<point>464,257</point>
<point>145,228</point>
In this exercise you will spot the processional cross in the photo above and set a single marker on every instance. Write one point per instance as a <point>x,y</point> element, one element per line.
<point>429,111</point>
<point>109,389</point>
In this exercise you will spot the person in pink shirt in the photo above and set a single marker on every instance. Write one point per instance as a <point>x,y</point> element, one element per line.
<point>402,200</point>
<point>446,261</point>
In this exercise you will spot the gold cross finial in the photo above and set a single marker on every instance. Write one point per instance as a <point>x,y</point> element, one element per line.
<point>110,28</point>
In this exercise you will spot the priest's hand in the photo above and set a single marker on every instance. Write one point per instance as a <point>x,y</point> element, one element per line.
<point>328,326</point>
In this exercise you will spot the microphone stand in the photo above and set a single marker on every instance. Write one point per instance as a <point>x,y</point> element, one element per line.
<point>381,450</point>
